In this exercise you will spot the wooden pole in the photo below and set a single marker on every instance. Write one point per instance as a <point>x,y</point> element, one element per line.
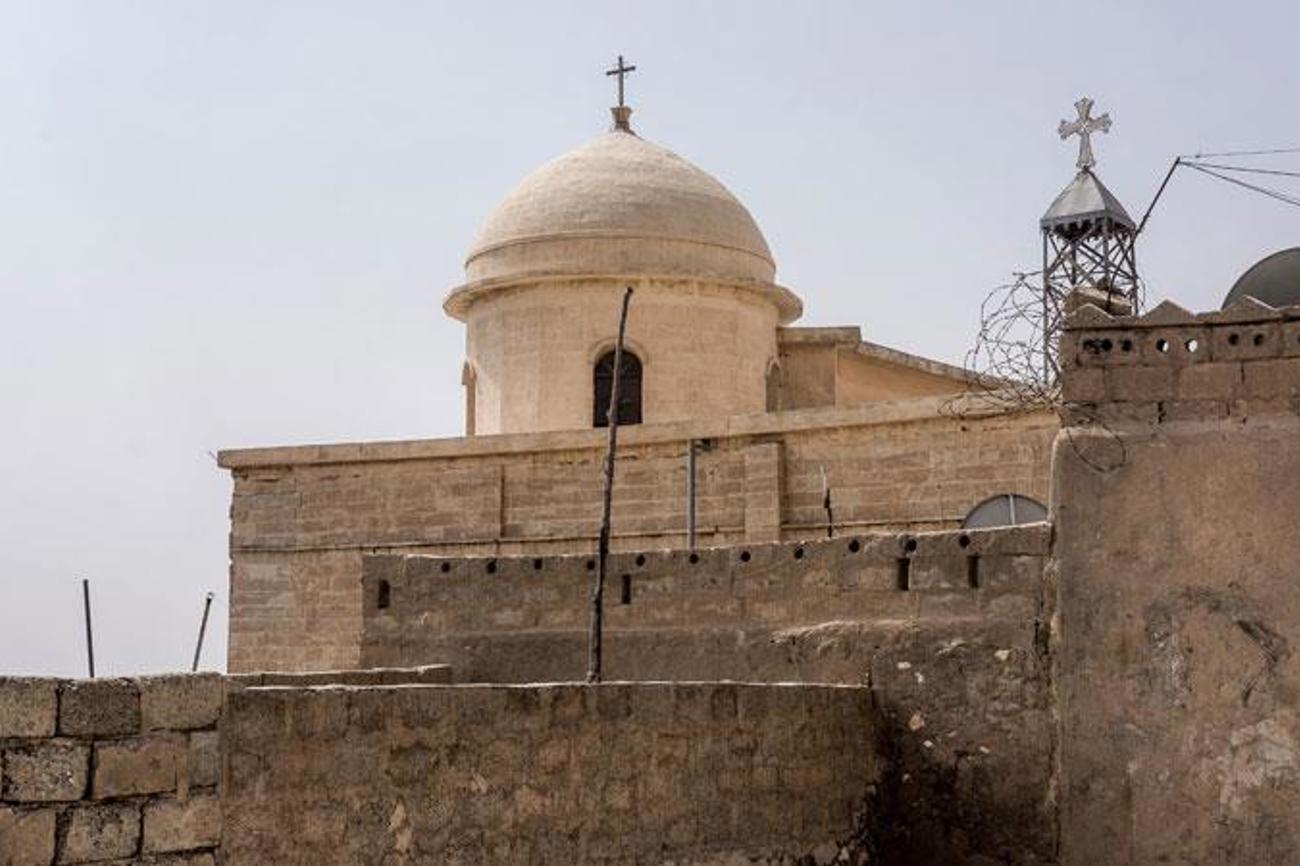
<point>90,637</point>
<point>602,550</point>
<point>203,627</point>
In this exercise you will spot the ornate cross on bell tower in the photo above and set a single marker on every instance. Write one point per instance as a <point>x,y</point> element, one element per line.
<point>622,112</point>
<point>1083,127</point>
<point>1088,244</point>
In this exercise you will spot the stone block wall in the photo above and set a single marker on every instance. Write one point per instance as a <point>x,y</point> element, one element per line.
<point>1176,492</point>
<point>615,773</point>
<point>122,770</point>
<point>948,629</point>
<point>302,518</point>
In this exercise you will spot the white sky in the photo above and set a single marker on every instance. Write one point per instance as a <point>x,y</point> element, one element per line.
<point>231,223</point>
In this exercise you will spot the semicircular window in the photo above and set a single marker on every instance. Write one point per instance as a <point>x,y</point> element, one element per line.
<point>1005,509</point>
<point>629,389</point>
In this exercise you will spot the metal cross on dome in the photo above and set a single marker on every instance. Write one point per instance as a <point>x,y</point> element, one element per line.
<point>1084,127</point>
<point>621,71</point>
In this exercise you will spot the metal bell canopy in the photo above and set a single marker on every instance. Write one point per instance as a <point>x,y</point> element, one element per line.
<point>1088,242</point>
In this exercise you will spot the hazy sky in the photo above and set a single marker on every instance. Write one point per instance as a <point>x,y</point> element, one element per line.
<point>230,224</point>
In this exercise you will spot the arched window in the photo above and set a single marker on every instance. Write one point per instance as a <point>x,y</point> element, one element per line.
<point>629,389</point>
<point>1005,509</point>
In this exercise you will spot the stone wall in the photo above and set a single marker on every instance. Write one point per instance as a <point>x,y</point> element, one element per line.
<point>113,769</point>
<point>948,629</point>
<point>615,773</point>
<point>1176,503</point>
<point>303,517</point>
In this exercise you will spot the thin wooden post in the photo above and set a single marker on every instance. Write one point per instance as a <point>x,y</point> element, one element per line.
<point>602,550</point>
<point>90,637</point>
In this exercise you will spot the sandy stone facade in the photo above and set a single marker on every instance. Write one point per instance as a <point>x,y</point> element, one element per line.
<point>302,518</point>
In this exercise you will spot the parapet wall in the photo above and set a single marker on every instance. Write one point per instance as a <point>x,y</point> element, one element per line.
<point>615,773</point>
<point>1176,497</point>
<point>1171,365</point>
<point>111,769</point>
<point>723,613</point>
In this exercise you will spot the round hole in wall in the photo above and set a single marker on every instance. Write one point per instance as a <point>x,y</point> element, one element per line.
<point>963,540</point>
<point>1162,345</point>
<point>591,565</point>
<point>694,558</point>
<point>1107,345</point>
<point>446,567</point>
<point>909,545</point>
<point>537,565</point>
<point>855,546</point>
<point>1258,339</point>
<point>1126,345</point>
<point>1233,339</point>
<point>744,556</point>
<point>492,566</point>
<point>640,559</point>
<point>798,553</point>
<point>1191,345</point>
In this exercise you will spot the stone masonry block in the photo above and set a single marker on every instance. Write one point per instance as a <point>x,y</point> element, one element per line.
<point>45,772</point>
<point>100,832</point>
<point>26,837</point>
<point>1084,384</point>
<point>147,765</point>
<point>175,825</point>
<point>1139,384</point>
<point>1267,379</point>
<point>99,708</point>
<point>29,707</point>
<point>204,758</point>
<point>1214,381</point>
<point>181,701</point>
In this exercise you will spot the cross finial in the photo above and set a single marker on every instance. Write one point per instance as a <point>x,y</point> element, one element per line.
<point>1084,127</point>
<point>622,113</point>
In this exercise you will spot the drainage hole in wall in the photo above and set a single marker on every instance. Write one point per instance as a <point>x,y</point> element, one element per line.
<point>1126,345</point>
<point>492,566</point>
<point>798,553</point>
<point>591,565</point>
<point>909,545</point>
<point>446,567</point>
<point>537,565</point>
<point>855,546</point>
<point>625,597</point>
<point>1258,339</point>
<point>640,559</point>
<point>1191,345</point>
<point>903,579</point>
<point>744,556</point>
<point>384,595</point>
<point>963,540</point>
<point>973,572</point>
<point>1233,339</point>
<point>694,558</point>
<point>1162,345</point>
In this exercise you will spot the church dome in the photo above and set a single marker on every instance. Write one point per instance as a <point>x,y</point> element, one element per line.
<point>620,206</point>
<point>1275,280</point>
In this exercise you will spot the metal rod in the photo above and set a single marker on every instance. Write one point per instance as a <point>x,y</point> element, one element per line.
<point>90,638</point>
<point>594,647</point>
<point>691,446</point>
<point>1178,160</point>
<point>203,627</point>
<point>826,505</point>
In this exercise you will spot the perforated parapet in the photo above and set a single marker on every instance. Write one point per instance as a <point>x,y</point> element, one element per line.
<point>1171,365</point>
<point>682,614</point>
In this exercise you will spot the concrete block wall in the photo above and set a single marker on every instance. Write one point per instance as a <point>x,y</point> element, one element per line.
<point>302,518</point>
<point>122,770</point>
<point>571,773</point>
<point>1172,365</point>
<point>1175,505</point>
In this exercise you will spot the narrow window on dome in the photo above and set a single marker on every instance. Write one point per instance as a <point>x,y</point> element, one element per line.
<point>629,389</point>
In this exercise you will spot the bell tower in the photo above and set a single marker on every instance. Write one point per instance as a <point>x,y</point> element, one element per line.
<point>1088,243</point>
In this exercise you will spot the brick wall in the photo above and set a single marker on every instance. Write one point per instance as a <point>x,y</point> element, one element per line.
<point>303,517</point>
<point>110,769</point>
<point>615,773</point>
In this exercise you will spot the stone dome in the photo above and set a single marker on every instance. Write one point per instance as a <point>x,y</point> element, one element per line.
<point>1275,280</point>
<point>620,206</point>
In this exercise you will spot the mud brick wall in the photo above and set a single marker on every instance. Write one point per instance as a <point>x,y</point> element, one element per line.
<point>302,518</point>
<point>122,770</point>
<point>615,773</point>
<point>1178,518</point>
<point>949,630</point>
